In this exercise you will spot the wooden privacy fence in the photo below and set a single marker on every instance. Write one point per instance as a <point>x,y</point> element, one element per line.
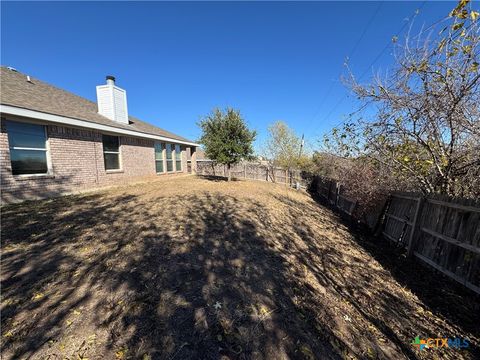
<point>445,234</point>
<point>253,171</point>
<point>334,193</point>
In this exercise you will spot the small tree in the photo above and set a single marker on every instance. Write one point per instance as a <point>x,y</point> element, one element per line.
<point>283,146</point>
<point>226,138</point>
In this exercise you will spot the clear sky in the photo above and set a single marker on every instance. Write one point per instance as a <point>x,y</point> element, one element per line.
<point>272,60</point>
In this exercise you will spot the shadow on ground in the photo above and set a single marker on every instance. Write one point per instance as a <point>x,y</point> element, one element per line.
<point>148,277</point>
<point>218,178</point>
<point>200,275</point>
<point>437,294</point>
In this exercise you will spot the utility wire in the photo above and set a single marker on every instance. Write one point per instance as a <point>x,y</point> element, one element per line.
<point>379,55</point>
<point>365,29</point>
<point>350,54</point>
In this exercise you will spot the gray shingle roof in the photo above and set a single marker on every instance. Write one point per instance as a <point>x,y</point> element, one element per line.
<point>40,96</point>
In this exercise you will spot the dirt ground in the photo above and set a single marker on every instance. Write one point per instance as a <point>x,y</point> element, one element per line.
<point>192,268</point>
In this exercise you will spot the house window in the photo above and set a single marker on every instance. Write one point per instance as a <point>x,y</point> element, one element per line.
<point>169,158</point>
<point>159,147</point>
<point>111,152</point>
<point>178,158</point>
<point>28,148</point>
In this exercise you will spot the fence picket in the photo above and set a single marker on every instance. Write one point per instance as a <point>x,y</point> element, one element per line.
<point>415,226</point>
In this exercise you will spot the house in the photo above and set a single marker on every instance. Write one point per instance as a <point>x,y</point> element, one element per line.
<point>54,142</point>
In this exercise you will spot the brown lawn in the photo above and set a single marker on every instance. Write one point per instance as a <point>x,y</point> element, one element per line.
<point>190,268</point>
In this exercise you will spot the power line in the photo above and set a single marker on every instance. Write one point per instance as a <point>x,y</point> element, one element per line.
<point>365,30</point>
<point>341,100</point>
<point>389,43</point>
<point>350,54</point>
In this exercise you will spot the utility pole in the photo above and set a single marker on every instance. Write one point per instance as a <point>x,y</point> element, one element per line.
<point>301,145</point>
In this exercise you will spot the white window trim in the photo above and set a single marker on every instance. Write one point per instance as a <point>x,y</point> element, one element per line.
<point>172,159</point>
<point>46,149</point>
<point>164,149</point>
<point>175,157</point>
<point>27,148</point>
<point>119,153</point>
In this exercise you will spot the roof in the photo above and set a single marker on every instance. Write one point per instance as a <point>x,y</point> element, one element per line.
<point>37,95</point>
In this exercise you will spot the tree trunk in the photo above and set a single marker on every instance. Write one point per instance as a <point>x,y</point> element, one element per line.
<point>229,172</point>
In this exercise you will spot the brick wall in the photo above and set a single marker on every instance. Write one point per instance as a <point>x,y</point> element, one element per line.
<point>77,161</point>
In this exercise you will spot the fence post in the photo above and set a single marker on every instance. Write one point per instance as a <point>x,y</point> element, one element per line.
<point>333,185</point>
<point>329,193</point>
<point>337,193</point>
<point>352,207</point>
<point>245,171</point>
<point>377,230</point>
<point>415,225</point>
<point>266,179</point>
<point>286,176</point>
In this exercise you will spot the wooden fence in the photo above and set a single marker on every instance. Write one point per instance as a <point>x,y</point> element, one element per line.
<point>253,171</point>
<point>334,193</point>
<point>444,233</point>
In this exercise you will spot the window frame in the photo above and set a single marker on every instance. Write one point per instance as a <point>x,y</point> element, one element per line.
<point>178,157</point>
<point>46,149</point>
<point>118,153</point>
<point>172,157</point>
<point>164,148</point>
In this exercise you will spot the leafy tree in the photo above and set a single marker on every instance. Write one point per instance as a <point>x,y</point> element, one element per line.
<point>426,129</point>
<point>226,138</point>
<point>283,146</point>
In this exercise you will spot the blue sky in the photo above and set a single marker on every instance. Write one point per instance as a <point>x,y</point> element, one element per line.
<point>272,60</point>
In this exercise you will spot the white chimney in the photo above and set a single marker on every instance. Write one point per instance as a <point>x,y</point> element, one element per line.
<point>112,101</point>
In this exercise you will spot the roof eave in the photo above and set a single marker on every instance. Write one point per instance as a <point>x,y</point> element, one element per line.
<point>64,120</point>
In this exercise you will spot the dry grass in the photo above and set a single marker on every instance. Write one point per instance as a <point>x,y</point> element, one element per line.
<point>190,268</point>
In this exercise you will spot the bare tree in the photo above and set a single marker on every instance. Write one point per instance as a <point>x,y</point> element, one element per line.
<point>426,130</point>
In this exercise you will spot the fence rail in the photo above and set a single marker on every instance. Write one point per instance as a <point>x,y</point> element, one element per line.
<point>334,193</point>
<point>253,171</point>
<point>444,233</point>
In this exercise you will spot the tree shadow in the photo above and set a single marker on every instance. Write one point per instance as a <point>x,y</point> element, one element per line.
<point>16,188</point>
<point>397,315</point>
<point>182,277</point>
<point>217,178</point>
<point>200,274</point>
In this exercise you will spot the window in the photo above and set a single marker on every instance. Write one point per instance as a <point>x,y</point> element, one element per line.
<point>178,158</point>
<point>28,148</point>
<point>169,158</point>
<point>159,147</point>
<point>111,152</point>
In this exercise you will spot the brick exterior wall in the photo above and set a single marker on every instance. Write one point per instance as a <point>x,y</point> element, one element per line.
<point>76,157</point>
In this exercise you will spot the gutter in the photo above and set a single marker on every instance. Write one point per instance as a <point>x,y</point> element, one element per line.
<point>64,120</point>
